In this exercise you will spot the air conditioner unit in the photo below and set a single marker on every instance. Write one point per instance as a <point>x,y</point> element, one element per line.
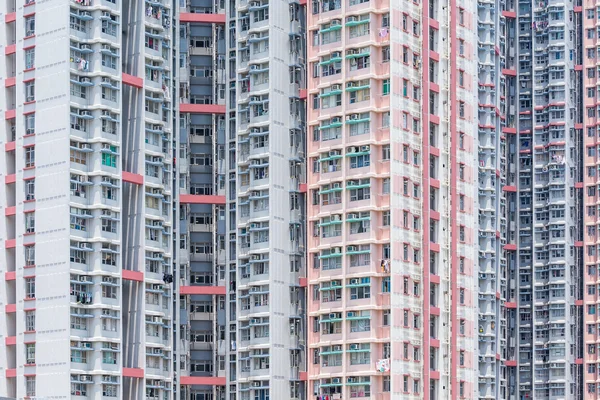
<point>254,226</point>
<point>85,245</point>
<point>355,280</point>
<point>86,345</point>
<point>156,286</point>
<point>254,98</point>
<point>106,47</point>
<point>85,378</point>
<point>85,278</point>
<point>105,113</point>
<point>352,248</point>
<point>156,159</point>
<point>336,380</point>
<point>256,384</point>
<point>336,120</point>
<point>332,316</point>
<point>336,217</point>
<point>105,79</point>
<point>350,314</point>
<point>351,379</point>
<point>350,84</point>
<point>255,4</point>
<point>255,289</point>
<point>85,79</point>
<point>105,146</point>
<point>333,153</point>
<point>352,216</point>
<point>354,346</point>
<point>85,14</point>
<point>106,179</point>
<point>336,87</point>
<point>107,213</point>
<point>352,149</point>
<point>336,185</point>
<point>352,51</point>
<point>253,36</point>
<point>254,66</point>
<point>365,148</point>
<point>337,348</point>
<point>254,321</point>
<point>85,146</point>
<point>336,22</point>
<point>336,250</point>
<point>85,46</point>
<point>353,116</point>
<point>85,113</point>
<point>352,183</point>
<point>336,54</point>
<point>106,14</point>
<point>256,257</point>
<point>255,194</point>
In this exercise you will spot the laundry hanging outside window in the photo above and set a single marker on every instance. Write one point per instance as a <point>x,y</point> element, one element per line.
<point>83,2</point>
<point>82,65</point>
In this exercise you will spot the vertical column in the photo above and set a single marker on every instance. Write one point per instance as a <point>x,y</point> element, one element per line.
<point>202,289</point>
<point>8,326</point>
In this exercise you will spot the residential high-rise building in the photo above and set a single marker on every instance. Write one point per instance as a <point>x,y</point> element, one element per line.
<point>200,345</point>
<point>265,212</point>
<point>291,200</point>
<point>86,198</point>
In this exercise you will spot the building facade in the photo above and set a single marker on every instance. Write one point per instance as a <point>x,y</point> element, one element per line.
<point>322,199</point>
<point>86,306</point>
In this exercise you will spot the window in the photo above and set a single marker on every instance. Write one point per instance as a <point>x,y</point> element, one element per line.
<point>30,386</point>
<point>30,222</point>
<point>78,356</point>
<point>109,292</point>
<point>30,321</point>
<point>110,160</point>
<point>30,353</point>
<point>30,288</point>
<point>386,87</point>
<point>78,90</point>
<point>109,25</point>
<point>109,94</point>
<point>78,157</point>
<point>30,124</point>
<point>385,153</point>
<point>152,106</point>
<point>109,357</point>
<point>29,91</point>
<point>109,225</point>
<point>29,156</point>
<point>78,323</point>
<point>30,58</point>
<point>110,323</point>
<point>109,61</point>
<point>109,193</point>
<point>30,26</point>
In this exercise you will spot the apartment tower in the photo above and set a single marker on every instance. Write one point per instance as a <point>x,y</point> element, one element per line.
<point>404,289</point>
<point>86,306</point>
<point>541,174</point>
<point>200,344</point>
